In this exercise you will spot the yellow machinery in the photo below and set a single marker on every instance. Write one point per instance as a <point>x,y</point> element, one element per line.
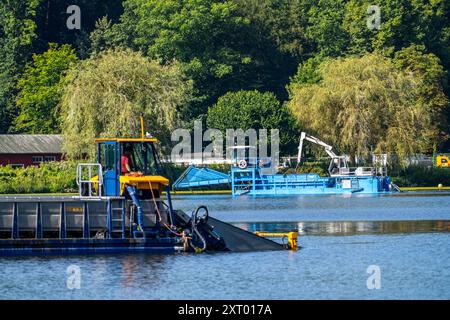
<point>291,237</point>
<point>442,161</point>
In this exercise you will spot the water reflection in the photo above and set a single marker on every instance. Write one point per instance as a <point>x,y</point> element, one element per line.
<point>132,269</point>
<point>335,228</point>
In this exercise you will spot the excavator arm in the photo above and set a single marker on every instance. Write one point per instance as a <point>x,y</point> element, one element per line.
<point>304,136</point>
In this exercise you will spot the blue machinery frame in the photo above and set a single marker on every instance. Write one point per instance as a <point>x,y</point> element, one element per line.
<point>101,223</point>
<point>111,177</point>
<point>251,180</point>
<point>85,242</point>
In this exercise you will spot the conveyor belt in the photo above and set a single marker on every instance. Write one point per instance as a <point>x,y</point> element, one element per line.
<point>200,177</point>
<point>239,240</point>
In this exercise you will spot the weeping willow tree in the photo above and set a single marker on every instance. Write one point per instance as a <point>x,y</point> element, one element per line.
<point>104,96</point>
<point>365,104</point>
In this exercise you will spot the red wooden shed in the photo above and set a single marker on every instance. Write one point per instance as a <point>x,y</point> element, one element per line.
<point>23,150</point>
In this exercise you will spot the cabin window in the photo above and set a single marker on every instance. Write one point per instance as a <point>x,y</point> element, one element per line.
<point>49,158</point>
<point>142,158</point>
<point>107,156</point>
<point>37,159</point>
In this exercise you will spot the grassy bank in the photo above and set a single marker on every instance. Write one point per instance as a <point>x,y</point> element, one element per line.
<point>416,176</point>
<point>425,188</point>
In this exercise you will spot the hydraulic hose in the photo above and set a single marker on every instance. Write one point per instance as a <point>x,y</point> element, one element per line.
<point>194,223</point>
<point>159,213</point>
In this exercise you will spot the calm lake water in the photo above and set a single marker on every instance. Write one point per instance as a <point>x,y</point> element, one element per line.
<point>406,236</point>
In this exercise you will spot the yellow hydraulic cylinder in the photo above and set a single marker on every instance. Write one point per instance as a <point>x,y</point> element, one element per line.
<point>291,237</point>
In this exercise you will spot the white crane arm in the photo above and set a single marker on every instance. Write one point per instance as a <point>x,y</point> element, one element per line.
<point>304,136</point>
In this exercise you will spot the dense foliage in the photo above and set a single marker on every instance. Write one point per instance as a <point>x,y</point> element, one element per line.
<point>40,90</point>
<point>367,104</point>
<point>48,177</point>
<point>214,41</point>
<point>106,94</point>
<point>17,33</point>
<point>419,176</point>
<point>253,110</point>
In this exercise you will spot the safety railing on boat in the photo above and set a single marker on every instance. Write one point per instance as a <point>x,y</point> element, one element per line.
<point>252,162</point>
<point>270,182</point>
<point>86,187</point>
<point>354,171</point>
<point>247,181</point>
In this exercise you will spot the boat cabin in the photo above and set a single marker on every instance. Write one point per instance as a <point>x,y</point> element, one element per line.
<point>125,161</point>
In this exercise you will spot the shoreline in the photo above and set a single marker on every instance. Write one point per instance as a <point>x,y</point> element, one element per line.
<point>206,192</point>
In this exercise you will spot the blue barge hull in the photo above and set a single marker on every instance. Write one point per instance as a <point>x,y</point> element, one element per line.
<point>86,246</point>
<point>78,225</point>
<point>249,181</point>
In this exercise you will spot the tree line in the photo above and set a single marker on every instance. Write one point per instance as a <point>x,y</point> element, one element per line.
<point>313,65</point>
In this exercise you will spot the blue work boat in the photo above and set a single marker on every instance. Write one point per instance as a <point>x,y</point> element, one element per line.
<point>257,176</point>
<point>120,208</point>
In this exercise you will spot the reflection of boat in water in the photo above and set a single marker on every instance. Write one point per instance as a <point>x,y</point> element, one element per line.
<point>350,228</point>
<point>119,209</point>
<point>257,176</point>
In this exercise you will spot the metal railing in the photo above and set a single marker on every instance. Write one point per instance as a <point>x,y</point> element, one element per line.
<point>358,171</point>
<point>93,169</point>
<point>253,162</point>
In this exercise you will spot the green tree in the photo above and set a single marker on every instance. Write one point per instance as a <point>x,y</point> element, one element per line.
<point>278,31</point>
<point>282,23</point>
<point>105,95</point>
<point>308,72</point>
<point>40,90</point>
<point>403,23</point>
<point>254,110</point>
<point>17,32</point>
<point>103,36</point>
<point>202,34</point>
<point>52,17</point>
<point>325,30</point>
<point>415,61</point>
<point>213,40</point>
<point>366,103</point>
